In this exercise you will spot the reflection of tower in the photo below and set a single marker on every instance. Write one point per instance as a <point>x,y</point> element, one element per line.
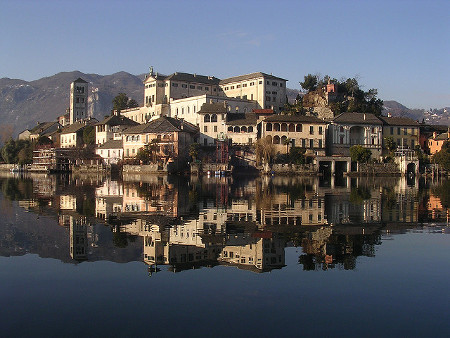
<point>222,151</point>
<point>78,100</point>
<point>78,239</point>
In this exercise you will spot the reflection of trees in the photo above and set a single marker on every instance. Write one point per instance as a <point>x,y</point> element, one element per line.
<point>16,190</point>
<point>359,194</point>
<point>339,250</point>
<point>120,239</point>
<point>443,192</point>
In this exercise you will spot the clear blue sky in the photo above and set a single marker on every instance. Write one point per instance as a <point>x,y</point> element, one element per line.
<point>402,48</point>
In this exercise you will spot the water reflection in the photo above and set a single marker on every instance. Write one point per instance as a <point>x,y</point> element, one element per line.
<point>192,222</point>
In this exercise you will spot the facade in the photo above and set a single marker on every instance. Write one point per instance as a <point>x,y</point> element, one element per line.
<point>78,109</point>
<point>267,90</point>
<point>242,128</point>
<point>111,128</point>
<point>286,131</point>
<point>404,131</point>
<point>349,129</point>
<point>41,129</point>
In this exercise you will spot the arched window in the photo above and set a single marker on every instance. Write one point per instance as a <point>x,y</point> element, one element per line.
<point>283,139</point>
<point>193,109</point>
<point>237,109</point>
<point>213,118</point>
<point>291,127</point>
<point>236,129</point>
<point>276,139</point>
<point>244,129</point>
<point>250,129</point>
<point>276,126</point>
<point>188,109</point>
<point>283,127</point>
<point>137,138</point>
<point>269,127</point>
<point>298,128</point>
<point>206,118</point>
<point>245,109</point>
<point>230,128</point>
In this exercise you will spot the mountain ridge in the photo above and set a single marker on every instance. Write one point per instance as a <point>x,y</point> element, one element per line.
<point>24,103</point>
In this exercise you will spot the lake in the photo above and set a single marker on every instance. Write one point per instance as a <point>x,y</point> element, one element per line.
<point>223,256</point>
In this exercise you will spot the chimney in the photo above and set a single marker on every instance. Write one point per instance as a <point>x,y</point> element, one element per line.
<point>434,134</point>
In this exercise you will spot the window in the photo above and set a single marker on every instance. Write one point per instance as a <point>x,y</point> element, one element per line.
<point>192,87</point>
<point>392,130</point>
<point>244,85</point>
<point>268,82</point>
<point>267,98</point>
<point>269,127</point>
<point>252,83</point>
<point>250,130</point>
<point>281,85</point>
<point>213,118</point>
<point>320,130</point>
<point>238,86</point>
<point>274,84</point>
<point>398,131</point>
<point>215,129</point>
<point>183,85</point>
<point>206,88</point>
<point>274,93</point>
<point>207,118</point>
<point>260,82</point>
<point>320,143</point>
<point>405,131</point>
<point>341,129</point>
<point>303,143</point>
<point>205,129</point>
<point>199,87</point>
<point>174,84</point>
<point>274,99</point>
<point>311,143</point>
<point>311,130</point>
<point>232,87</point>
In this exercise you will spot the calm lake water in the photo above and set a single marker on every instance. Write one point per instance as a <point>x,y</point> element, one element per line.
<point>183,256</point>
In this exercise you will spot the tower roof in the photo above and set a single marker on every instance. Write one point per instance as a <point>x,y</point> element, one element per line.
<point>80,80</point>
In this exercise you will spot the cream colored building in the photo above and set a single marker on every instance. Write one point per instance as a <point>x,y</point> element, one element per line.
<point>78,109</point>
<point>285,131</point>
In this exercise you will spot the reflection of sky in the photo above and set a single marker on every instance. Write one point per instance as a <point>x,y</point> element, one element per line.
<point>407,279</point>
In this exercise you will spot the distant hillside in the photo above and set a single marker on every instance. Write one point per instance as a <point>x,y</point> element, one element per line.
<point>432,116</point>
<point>24,103</point>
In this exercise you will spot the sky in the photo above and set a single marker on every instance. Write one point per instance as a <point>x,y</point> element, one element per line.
<point>401,48</point>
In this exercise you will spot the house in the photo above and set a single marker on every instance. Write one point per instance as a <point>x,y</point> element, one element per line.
<point>170,137</point>
<point>41,129</point>
<point>436,142</point>
<point>286,131</point>
<point>111,151</point>
<point>111,128</point>
<point>72,135</point>
<point>349,129</point>
<point>404,131</point>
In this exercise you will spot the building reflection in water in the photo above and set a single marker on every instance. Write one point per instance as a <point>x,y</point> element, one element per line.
<point>187,223</point>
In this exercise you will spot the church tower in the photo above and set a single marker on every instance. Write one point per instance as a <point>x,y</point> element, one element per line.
<point>78,100</point>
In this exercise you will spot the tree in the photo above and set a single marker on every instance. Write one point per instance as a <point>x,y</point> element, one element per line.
<point>121,102</point>
<point>89,135</point>
<point>265,150</point>
<point>360,154</point>
<point>390,144</point>
<point>193,151</point>
<point>309,82</point>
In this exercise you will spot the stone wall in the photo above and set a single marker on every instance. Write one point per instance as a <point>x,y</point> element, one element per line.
<point>378,169</point>
<point>291,169</point>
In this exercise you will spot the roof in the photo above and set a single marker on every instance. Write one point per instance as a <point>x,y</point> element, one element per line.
<point>80,80</point>
<point>263,111</point>
<point>74,127</point>
<point>441,137</point>
<point>399,121</point>
<point>117,120</point>
<point>163,124</point>
<point>357,118</point>
<point>112,144</point>
<point>186,77</point>
<point>217,108</point>
<point>42,127</point>
<point>246,119</point>
<point>249,77</point>
<point>293,118</point>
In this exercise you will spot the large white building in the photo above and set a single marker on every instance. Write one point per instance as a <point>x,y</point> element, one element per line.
<point>182,95</point>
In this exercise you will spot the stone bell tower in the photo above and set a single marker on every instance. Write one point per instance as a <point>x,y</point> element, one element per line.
<point>78,100</point>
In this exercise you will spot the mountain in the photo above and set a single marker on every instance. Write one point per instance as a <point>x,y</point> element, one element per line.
<point>23,104</point>
<point>432,116</point>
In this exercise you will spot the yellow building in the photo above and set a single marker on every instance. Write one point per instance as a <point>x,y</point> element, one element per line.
<point>404,131</point>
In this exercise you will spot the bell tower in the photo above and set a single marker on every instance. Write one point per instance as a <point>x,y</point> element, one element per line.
<point>78,100</point>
